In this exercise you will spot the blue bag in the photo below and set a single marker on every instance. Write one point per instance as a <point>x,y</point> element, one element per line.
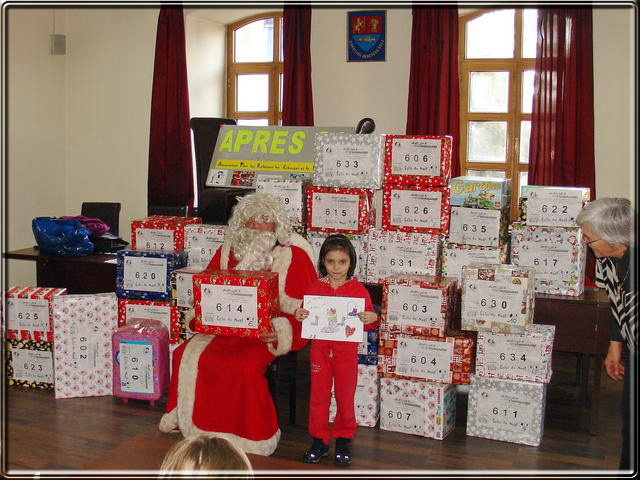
<point>67,238</point>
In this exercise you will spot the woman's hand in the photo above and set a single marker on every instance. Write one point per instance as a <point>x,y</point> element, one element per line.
<point>301,314</point>
<point>368,317</point>
<point>613,362</point>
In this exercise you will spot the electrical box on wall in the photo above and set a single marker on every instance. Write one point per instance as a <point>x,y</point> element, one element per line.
<point>58,44</point>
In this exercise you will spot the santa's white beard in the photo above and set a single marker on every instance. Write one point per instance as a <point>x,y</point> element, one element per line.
<point>253,249</point>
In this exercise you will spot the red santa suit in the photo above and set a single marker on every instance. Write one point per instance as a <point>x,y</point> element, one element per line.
<point>335,363</point>
<point>218,385</point>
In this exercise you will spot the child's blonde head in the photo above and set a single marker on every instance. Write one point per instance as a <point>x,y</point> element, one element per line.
<point>205,453</point>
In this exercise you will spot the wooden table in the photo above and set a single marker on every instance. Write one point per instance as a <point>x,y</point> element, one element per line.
<point>144,452</point>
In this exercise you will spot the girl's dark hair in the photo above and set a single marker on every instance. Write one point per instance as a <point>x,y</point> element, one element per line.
<point>337,242</point>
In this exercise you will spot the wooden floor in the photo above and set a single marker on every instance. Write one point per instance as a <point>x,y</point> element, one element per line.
<point>45,434</point>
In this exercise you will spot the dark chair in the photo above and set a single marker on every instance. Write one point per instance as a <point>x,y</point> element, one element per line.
<point>284,369</point>
<point>176,211</point>
<point>108,212</point>
<point>214,203</point>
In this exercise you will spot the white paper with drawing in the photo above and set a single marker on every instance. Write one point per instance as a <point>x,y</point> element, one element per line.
<point>333,318</point>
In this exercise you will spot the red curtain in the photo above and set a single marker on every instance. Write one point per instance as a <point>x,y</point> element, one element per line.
<point>297,98</point>
<point>434,94</point>
<point>561,149</point>
<point>170,163</point>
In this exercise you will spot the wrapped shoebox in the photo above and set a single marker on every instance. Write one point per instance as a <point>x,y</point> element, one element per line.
<point>497,298</point>
<point>83,325</point>
<point>480,192</point>
<point>391,252</point>
<point>201,243</point>
<point>367,399</point>
<point>418,304</point>
<point>348,160</point>
<point>146,275</point>
<point>163,233</point>
<point>182,286</point>
<point>418,160</point>
<point>238,303</point>
<point>415,209</point>
<point>506,410</point>
<point>290,192</point>
<point>368,348</point>
<point>29,363</point>
<point>140,352</point>
<point>557,254</point>
<point>477,226</point>
<point>417,407</point>
<point>169,315</point>
<point>419,357</point>
<point>517,357</point>
<point>359,242</point>
<point>455,256</point>
<point>551,206</point>
<point>29,314</point>
<point>339,210</point>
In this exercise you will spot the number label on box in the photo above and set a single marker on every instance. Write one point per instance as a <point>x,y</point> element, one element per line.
<point>505,411</point>
<point>496,301</point>
<point>335,210</point>
<point>229,306</point>
<point>145,273</point>
<point>553,207</point>
<point>288,191</point>
<point>32,365</point>
<point>159,240</point>
<point>474,226</point>
<point>84,347</point>
<point>414,156</point>
<point>415,306</point>
<point>28,314</point>
<point>512,354</point>
<point>425,359</point>
<point>136,366</point>
<point>411,208</point>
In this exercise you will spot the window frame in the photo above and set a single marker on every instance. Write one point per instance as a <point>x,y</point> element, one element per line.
<point>274,69</point>
<point>516,66</point>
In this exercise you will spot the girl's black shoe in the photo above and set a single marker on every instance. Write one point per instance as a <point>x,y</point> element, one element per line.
<point>318,450</point>
<point>343,452</point>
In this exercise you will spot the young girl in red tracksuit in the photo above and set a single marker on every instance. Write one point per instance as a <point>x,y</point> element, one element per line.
<point>332,361</point>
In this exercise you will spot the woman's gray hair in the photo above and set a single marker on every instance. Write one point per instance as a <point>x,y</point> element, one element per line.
<point>612,219</point>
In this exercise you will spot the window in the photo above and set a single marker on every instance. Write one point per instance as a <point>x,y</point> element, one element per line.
<point>254,70</point>
<point>497,62</point>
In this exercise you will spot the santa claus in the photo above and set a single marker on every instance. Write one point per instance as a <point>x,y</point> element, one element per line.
<point>218,385</point>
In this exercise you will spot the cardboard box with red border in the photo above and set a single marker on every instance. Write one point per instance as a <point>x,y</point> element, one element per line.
<point>401,171</point>
<point>415,209</point>
<point>343,216</point>
<point>165,312</point>
<point>24,302</point>
<point>160,233</point>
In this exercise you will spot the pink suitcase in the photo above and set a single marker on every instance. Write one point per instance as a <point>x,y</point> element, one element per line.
<point>141,360</point>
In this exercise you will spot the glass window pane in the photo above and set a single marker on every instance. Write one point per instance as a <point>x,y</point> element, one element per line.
<point>524,180</point>
<point>254,42</point>
<point>282,40</point>
<point>489,92</point>
<point>529,32</point>
<point>253,92</point>
<point>527,90</point>
<point>487,142</point>
<point>525,135</point>
<point>281,89</point>
<point>491,35</point>
<point>253,122</point>
<point>486,173</point>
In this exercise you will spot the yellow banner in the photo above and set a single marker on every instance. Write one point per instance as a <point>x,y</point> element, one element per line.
<point>265,165</point>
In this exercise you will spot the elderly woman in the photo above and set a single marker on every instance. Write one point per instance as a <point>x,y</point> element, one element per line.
<point>608,226</point>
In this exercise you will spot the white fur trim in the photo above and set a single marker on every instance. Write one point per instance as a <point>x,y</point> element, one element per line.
<point>284,331</point>
<point>169,421</point>
<point>299,241</point>
<point>186,395</point>
<point>225,253</point>
<point>281,263</point>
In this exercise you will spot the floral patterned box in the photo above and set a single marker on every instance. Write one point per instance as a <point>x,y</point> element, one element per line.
<point>497,298</point>
<point>368,348</point>
<point>341,210</point>
<point>359,242</point>
<point>417,407</point>
<point>551,206</point>
<point>419,357</point>
<point>291,192</point>
<point>417,304</point>
<point>83,325</point>
<point>29,314</point>
<point>478,226</point>
<point>417,160</point>
<point>182,286</point>
<point>415,209</point>
<point>164,312</point>
<point>201,243</point>
<point>161,233</point>
<point>29,363</point>
<point>140,353</point>
<point>480,192</point>
<point>367,399</point>
<point>239,303</point>
<point>506,410</point>
<point>557,254</point>
<point>517,357</point>
<point>146,275</point>
<point>455,256</point>
<point>348,160</point>
<point>389,253</point>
